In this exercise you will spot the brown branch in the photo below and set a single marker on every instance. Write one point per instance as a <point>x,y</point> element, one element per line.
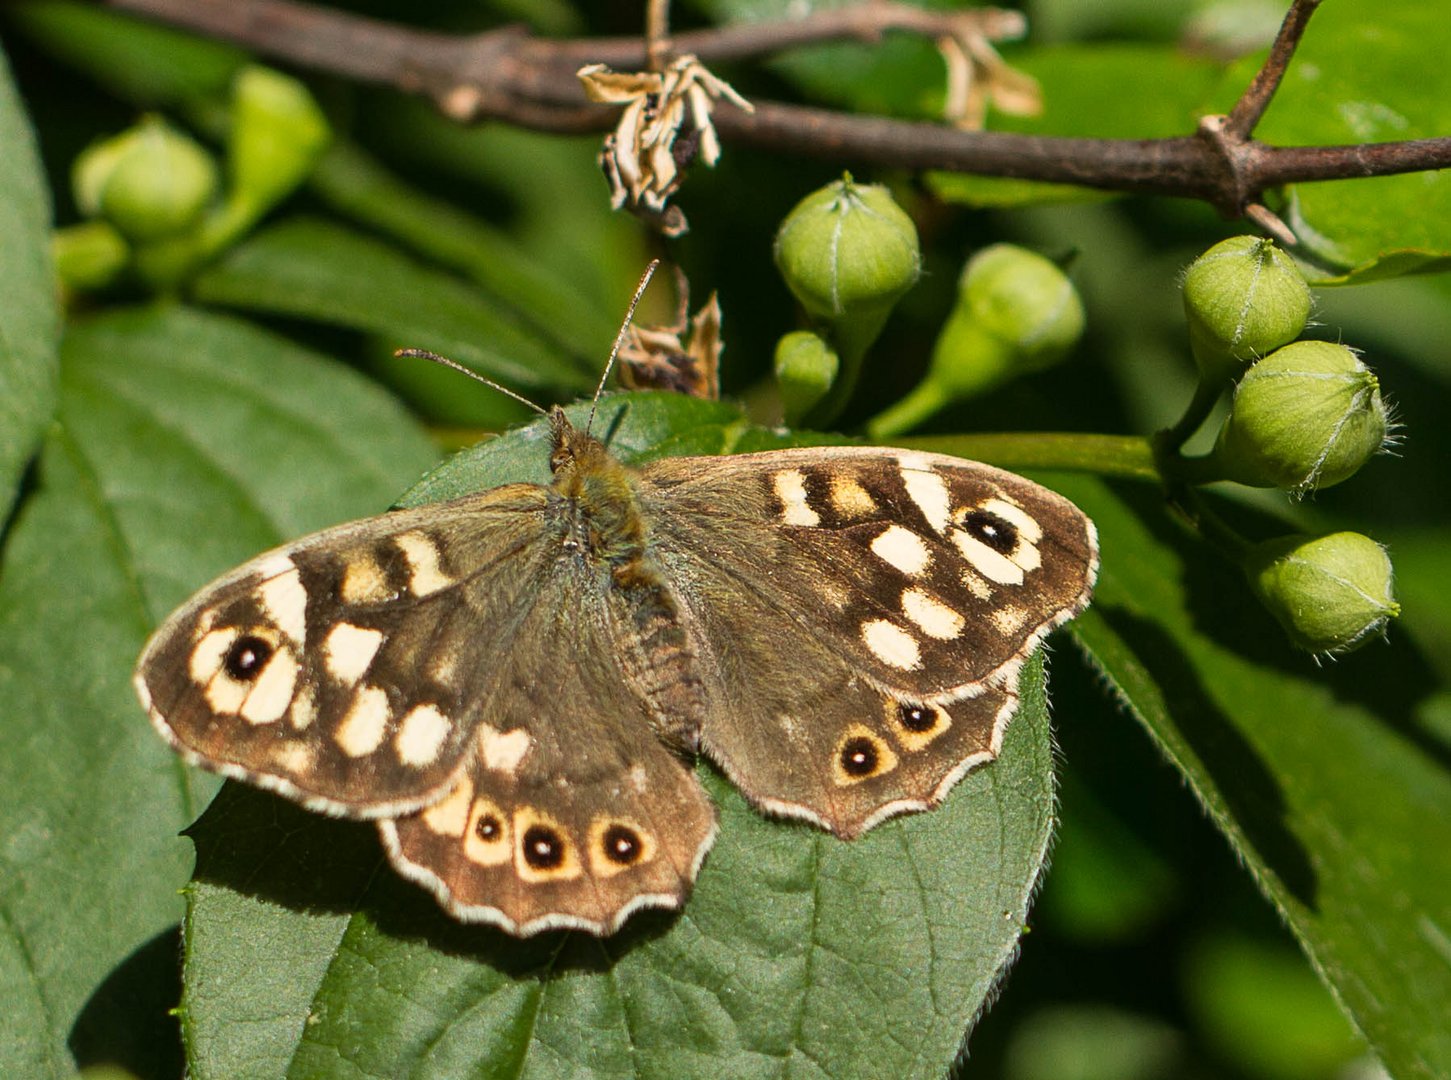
<point>509,76</point>
<point>1261,90</point>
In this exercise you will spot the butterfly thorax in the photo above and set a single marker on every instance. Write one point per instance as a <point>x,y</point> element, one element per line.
<point>603,524</point>
<point>602,514</point>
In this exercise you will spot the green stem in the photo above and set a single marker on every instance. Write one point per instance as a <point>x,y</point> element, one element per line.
<point>1211,526</point>
<point>1206,396</point>
<point>1177,469</point>
<point>1123,456</point>
<point>925,399</point>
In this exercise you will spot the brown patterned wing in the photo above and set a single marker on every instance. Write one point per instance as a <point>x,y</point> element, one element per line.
<point>339,670</point>
<point>574,812</point>
<point>861,616</point>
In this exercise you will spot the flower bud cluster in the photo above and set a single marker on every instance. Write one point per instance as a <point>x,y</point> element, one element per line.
<point>155,196</point>
<point>847,252</point>
<point>1305,415</point>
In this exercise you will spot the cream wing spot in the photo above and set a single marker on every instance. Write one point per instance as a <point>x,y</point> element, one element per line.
<point>976,585</point>
<point>225,694</point>
<point>294,757</point>
<point>934,617</point>
<point>208,653</point>
<point>304,708</point>
<point>421,734</point>
<point>348,651</point>
<point>503,750</point>
<point>1009,619</point>
<point>992,565</point>
<point>424,573</point>
<point>892,645</point>
<point>928,490</point>
<point>902,549</point>
<point>364,581</point>
<point>790,488</point>
<point>365,724</point>
<point>271,692</point>
<point>850,499</point>
<point>284,598</point>
<point>1015,515</point>
<point>450,817</point>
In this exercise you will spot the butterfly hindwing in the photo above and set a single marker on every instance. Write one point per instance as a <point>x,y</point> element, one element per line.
<point>575,811</point>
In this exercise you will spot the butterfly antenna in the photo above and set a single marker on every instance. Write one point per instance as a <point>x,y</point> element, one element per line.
<point>620,339</point>
<point>424,354</point>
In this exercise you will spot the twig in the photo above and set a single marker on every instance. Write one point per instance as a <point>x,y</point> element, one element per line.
<point>1257,96</point>
<point>509,76</point>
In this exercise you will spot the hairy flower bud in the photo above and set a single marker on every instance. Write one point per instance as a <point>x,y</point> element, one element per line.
<point>1243,297</point>
<point>848,251</point>
<point>806,367</point>
<point>278,133</point>
<point>1330,593</point>
<point>89,255</point>
<point>149,182</point>
<point>1021,302</point>
<point>1307,416</point>
<point>1016,312</point>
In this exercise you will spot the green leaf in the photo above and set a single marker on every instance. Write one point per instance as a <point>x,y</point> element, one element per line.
<point>146,64</point>
<point>318,270</point>
<point>1368,71</point>
<point>552,302</point>
<point>797,952</point>
<point>1335,798</point>
<point>185,442</point>
<point>29,323</point>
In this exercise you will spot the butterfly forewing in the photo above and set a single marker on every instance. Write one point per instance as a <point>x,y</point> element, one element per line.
<point>863,614</point>
<point>342,670</point>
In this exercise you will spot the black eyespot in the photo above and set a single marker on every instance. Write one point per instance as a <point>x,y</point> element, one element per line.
<point>622,845</point>
<point>543,848</point>
<point>916,718</point>
<point>859,757</point>
<point>995,532</point>
<point>247,657</point>
<point>488,828</point>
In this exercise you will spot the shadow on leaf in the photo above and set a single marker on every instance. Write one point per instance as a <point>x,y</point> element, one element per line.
<point>1248,788</point>
<point>260,845</point>
<point>127,1021</point>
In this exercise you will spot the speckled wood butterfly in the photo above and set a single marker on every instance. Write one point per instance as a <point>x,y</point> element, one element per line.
<point>513,684</point>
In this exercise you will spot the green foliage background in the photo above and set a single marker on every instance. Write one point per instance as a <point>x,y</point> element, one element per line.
<point>1249,876</point>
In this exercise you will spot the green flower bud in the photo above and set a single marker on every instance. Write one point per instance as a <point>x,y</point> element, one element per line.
<point>150,182</point>
<point>1307,416</point>
<point>806,368</point>
<point>1330,593</point>
<point>278,133</point>
<point>1243,297</point>
<point>848,251</point>
<point>1016,312</point>
<point>88,256</point>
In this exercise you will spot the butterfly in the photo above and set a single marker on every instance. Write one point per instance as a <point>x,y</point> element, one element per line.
<point>513,684</point>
